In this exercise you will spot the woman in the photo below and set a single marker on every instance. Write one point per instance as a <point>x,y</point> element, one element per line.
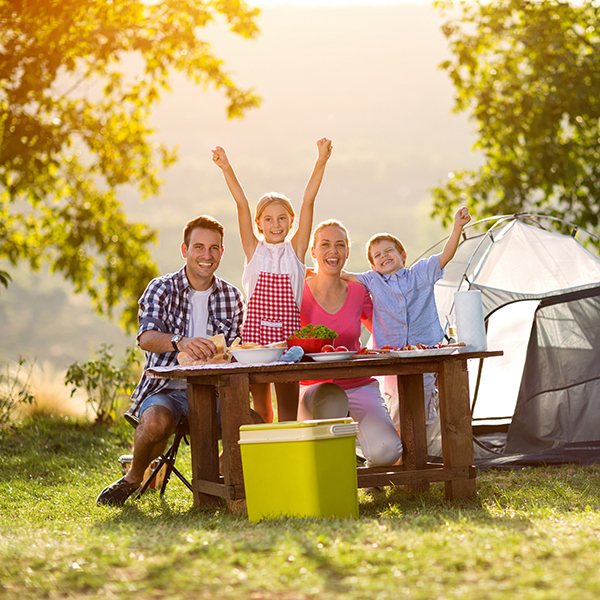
<point>342,306</point>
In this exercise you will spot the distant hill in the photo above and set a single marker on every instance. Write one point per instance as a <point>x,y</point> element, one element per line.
<point>366,77</point>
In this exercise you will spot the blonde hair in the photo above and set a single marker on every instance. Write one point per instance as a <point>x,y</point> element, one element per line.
<point>383,237</point>
<point>273,198</point>
<point>329,223</point>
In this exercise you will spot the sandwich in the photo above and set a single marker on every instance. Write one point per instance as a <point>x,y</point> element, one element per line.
<point>221,355</point>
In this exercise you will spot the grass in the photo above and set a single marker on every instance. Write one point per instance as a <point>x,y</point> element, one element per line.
<point>533,533</point>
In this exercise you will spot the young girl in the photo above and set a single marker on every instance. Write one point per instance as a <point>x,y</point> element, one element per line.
<point>274,270</point>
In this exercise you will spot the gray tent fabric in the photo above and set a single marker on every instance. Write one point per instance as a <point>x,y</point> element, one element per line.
<point>541,297</point>
<point>559,397</point>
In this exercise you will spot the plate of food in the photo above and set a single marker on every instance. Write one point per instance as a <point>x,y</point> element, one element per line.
<point>332,356</point>
<point>373,353</point>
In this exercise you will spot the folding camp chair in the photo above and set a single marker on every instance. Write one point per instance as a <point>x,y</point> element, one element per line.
<point>168,459</point>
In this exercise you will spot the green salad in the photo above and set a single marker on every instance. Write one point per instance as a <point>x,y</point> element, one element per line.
<point>319,332</point>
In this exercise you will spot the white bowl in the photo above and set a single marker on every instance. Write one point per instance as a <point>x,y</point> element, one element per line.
<point>256,356</point>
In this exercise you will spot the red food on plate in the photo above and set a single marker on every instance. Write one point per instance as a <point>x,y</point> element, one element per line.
<point>341,349</point>
<point>328,348</point>
<point>387,347</point>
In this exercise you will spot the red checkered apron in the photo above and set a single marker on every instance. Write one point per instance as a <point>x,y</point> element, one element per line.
<point>273,314</point>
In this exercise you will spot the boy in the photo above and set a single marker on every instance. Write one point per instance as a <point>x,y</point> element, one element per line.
<point>404,309</point>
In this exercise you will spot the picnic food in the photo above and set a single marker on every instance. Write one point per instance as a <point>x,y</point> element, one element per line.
<point>220,356</point>
<point>250,345</point>
<point>223,352</point>
<point>385,349</point>
<point>314,332</point>
<point>330,348</point>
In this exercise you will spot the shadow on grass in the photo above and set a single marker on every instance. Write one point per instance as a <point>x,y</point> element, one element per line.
<point>326,546</point>
<point>54,450</point>
<point>399,509</point>
<point>430,511</point>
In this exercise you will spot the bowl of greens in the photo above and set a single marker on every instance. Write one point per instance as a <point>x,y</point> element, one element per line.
<point>311,338</point>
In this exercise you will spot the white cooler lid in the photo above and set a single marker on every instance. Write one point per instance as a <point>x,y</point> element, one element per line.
<point>298,431</point>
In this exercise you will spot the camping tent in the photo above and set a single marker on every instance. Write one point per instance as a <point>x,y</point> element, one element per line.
<point>541,298</point>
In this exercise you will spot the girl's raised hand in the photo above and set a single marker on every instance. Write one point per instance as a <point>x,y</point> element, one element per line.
<point>325,147</point>
<point>219,157</point>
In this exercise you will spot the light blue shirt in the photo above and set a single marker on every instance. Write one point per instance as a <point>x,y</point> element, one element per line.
<point>404,309</point>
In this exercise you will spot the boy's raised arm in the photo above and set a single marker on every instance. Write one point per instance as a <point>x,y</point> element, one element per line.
<point>249,240</point>
<point>301,238</point>
<point>461,218</point>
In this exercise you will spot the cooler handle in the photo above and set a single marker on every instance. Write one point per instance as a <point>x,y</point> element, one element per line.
<point>344,429</point>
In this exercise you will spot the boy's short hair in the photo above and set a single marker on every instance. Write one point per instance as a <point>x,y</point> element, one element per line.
<point>202,222</point>
<point>383,237</point>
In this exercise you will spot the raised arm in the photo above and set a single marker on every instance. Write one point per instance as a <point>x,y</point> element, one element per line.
<point>249,240</point>
<point>461,218</point>
<point>301,238</point>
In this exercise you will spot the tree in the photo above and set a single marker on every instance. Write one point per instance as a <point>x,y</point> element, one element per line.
<point>74,128</point>
<point>529,71</point>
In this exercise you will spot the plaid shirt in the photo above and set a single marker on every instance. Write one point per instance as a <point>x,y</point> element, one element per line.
<point>164,306</point>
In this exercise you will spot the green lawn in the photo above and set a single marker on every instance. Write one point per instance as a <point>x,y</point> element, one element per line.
<point>533,533</point>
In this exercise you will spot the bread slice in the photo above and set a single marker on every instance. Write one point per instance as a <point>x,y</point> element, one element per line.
<point>219,342</point>
<point>220,356</point>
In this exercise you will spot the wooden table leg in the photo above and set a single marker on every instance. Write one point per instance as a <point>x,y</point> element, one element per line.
<point>456,429</point>
<point>234,400</point>
<point>204,447</point>
<point>412,424</point>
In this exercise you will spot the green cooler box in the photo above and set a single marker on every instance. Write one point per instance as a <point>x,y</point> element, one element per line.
<point>300,469</point>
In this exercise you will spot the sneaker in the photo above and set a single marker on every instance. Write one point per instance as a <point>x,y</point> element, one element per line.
<point>116,493</point>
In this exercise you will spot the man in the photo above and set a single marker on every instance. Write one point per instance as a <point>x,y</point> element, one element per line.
<point>177,313</point>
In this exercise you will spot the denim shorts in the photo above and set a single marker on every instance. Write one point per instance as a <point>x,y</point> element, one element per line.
<point>175,400</point>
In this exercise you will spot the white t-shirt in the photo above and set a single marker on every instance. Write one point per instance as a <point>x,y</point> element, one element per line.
<point>199,312</point>
<point>196,326</point>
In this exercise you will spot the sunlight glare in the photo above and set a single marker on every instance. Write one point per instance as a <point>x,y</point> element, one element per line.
<point>260,3</point>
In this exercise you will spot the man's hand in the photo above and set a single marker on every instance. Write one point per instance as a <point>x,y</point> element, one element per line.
<point>219,157</point>
<point>198,348</point>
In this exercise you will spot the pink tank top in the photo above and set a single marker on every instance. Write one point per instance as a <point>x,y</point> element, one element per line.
<point>346,322</point>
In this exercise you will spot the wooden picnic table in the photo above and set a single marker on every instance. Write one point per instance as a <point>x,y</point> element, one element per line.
<point>233,384</point>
